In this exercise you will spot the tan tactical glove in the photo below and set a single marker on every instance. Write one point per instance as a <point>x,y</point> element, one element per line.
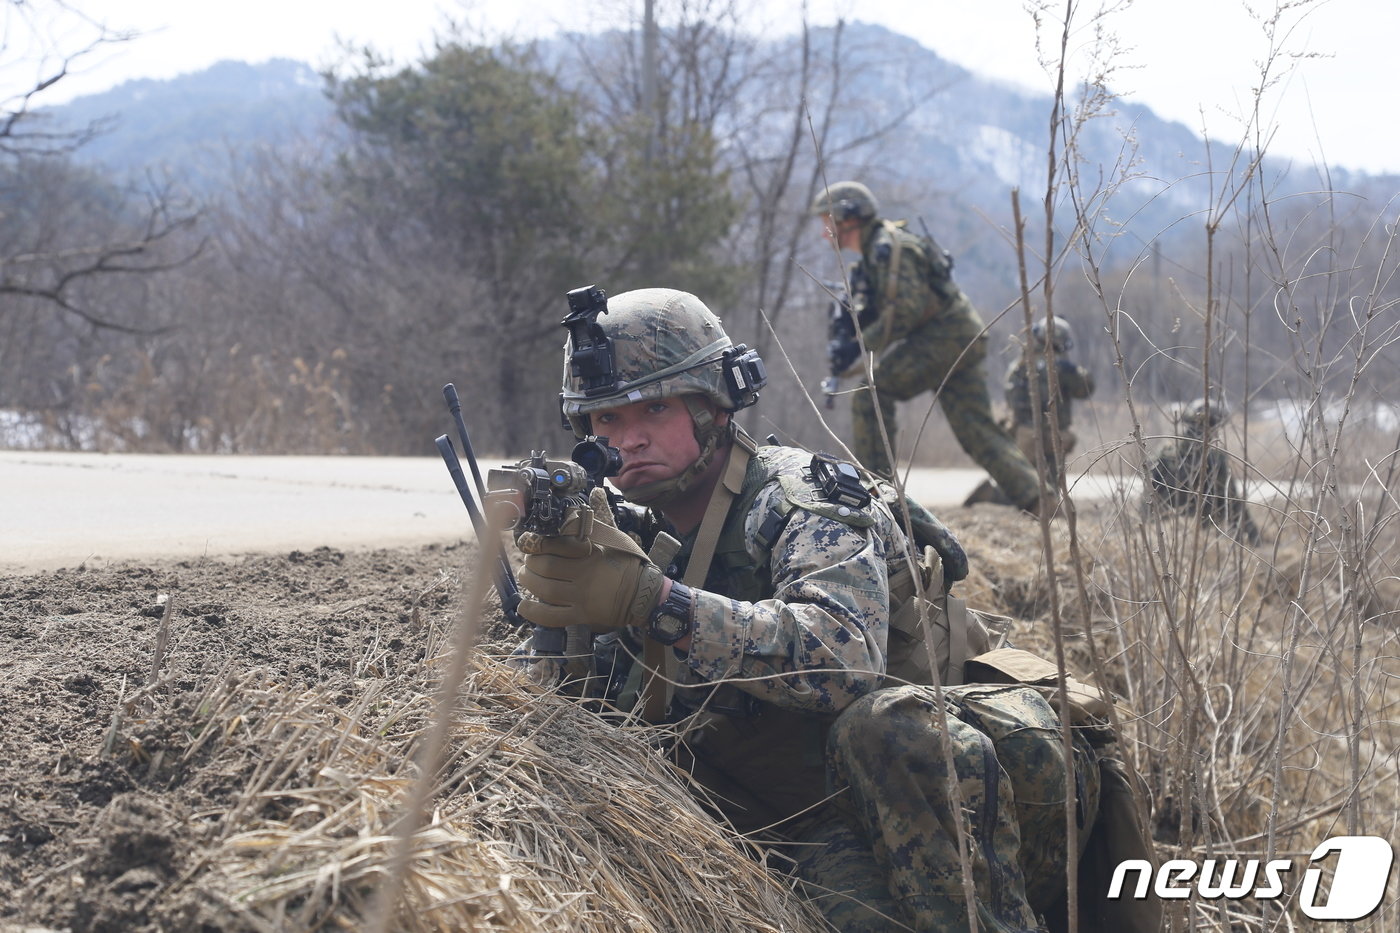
<point>592,575</point>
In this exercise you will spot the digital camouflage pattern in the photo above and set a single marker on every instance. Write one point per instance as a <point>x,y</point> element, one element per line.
<point>800,628</point>
<point>781,710</point>
<point>1075,381</point>
<point>793,634</point>
<point>811,629</point>
<point>929,335</point>
<point>895,859</point>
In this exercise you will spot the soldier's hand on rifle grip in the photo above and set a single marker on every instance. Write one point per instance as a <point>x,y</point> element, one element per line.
<point>593,574</point>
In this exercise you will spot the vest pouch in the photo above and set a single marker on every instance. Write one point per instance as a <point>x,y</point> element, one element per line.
<point>955,632</point>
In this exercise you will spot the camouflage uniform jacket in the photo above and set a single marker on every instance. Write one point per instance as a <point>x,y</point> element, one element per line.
<point>1076,382</point>
<point>792,623</point>
<point>901,288</point>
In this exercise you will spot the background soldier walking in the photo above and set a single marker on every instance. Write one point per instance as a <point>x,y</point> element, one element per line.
<point>924,334</point>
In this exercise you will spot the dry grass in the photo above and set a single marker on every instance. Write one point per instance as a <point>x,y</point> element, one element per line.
<point>1262,680</point>
<point>546,818</point>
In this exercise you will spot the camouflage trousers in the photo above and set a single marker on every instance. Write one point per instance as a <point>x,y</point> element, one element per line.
<point>922,362</point>
<point>885,857</point>
<point>1026,437</point>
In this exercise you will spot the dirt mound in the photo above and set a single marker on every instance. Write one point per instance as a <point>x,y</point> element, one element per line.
<point>227,746</point>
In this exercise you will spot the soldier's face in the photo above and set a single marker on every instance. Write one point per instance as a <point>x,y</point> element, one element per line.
<point>846,235</point>
<point>656,439</point>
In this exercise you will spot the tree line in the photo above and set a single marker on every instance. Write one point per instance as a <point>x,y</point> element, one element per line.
<point>318,301</point>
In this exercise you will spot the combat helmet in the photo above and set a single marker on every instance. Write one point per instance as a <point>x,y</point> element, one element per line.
<point>1061,335</point>
<point>845,200</point>
<point>654,343</point>
<point>1197,415</point>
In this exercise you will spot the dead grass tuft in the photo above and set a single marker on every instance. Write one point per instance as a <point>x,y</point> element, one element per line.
<point>547,818</point>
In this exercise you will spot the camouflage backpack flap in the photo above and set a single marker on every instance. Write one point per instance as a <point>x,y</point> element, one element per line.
<point>1087,706</point>
<point>1025,733</point>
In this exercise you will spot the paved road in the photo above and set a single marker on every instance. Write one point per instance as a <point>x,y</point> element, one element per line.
<point>64,509</point>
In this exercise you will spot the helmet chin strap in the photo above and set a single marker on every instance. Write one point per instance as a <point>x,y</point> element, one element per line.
<point>708,435</point>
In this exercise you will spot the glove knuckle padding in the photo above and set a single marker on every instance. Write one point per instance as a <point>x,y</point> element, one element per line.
<point>604,580</point>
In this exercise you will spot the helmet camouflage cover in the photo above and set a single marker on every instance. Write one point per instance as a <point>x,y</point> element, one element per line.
<point>665,343</point>
<point>844,200</point>
<point>1062,336</point>
<point>1214,411</point>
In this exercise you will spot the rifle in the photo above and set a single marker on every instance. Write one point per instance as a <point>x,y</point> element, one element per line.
<point>842,344</point>
<point>547,641</point>
<point>536,493</point>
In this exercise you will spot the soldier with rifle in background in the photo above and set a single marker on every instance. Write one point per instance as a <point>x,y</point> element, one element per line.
<point>923,334</point>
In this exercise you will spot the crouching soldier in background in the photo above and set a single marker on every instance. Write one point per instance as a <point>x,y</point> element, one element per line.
<point>1191,475</point>
<point>774,592</point>
<point>1075,382</point>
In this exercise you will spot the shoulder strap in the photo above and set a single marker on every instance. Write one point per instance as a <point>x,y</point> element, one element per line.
<point>730,485</point>
<point>656,690</point>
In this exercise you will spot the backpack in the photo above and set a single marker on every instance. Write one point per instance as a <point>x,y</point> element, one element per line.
<point>1113,816</point>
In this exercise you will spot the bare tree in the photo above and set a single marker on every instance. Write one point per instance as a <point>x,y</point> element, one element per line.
<point>42,263</point>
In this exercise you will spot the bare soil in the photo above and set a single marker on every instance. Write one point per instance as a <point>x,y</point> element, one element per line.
<point>94,815</point>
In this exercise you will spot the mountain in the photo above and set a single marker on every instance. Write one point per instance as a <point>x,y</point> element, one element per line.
<point>188,126</point>
<point>962,144</point>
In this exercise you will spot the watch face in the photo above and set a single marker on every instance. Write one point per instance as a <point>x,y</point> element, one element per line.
<point>668,629</point>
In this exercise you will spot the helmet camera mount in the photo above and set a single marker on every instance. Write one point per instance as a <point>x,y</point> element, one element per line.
<point>591,359</point>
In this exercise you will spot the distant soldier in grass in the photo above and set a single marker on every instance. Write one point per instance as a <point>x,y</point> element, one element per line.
<point>1191,475</point>
<point>1075,382</point>
<point>925,336</point>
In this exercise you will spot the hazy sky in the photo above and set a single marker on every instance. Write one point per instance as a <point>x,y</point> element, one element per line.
<point>1196,61</point>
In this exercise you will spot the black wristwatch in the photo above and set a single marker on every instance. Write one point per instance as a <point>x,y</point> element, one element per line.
<point>669,622</point>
